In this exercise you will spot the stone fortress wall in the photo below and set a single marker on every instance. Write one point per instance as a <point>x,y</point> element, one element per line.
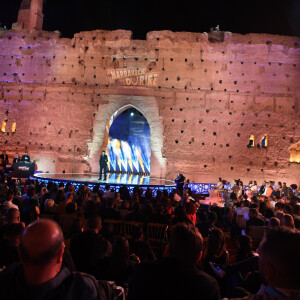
<point>202,100</point>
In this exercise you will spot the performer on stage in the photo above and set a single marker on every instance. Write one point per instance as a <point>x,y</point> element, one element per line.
<point>25,157</point>
<point>103,163</point>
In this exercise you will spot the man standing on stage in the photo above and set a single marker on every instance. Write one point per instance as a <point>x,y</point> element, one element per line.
<point>103,163</point>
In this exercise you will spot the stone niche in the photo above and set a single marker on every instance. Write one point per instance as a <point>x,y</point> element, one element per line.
<point>202,100</point>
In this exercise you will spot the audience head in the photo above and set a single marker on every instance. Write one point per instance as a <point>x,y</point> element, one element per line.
<point>70,208</point>
<point>253,213</point>
<point>279,260</point>
<point>41,250</point>
<point>94,224</point>
<point>12,233</point>
<point>216,242</point>
<point>13,215</point>
<point>185,243</point>
<point>274,223</point>
<point>279,215</point>
<point>10,196</point>
<point>49,204</point>
<point>288,221</point>
<point>288,209</point>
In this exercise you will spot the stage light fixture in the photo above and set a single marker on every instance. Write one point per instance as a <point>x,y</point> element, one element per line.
<point>132,114</point>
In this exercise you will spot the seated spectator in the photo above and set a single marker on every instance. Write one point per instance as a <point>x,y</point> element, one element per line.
<point>279,263</point>
<point>175,276</point>
<point>276,193</point>
<point>191,211</point>
<point>254,220</point>
<point>216,250</point>
<point>61,207</point>
<point>136,215</point>
<point>108,193</point>
<point>30,205</point>
<point>203,225</point>
<point>40,275</point>
<point>158,216</point>
<point>69,218</point>
<point>9,244</point>
<point>49,209</point>
<point>244,248</point>
<point>89,248</point>
<point>288,221</point>
<point>139,247</point>
<point>109,212</point>
<point>274,223</point>
<point>9,202</point>
<point>279,215</point>
<point>120,266</point>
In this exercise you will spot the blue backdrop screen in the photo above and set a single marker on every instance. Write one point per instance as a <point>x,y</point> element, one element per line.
<point>129,143</point>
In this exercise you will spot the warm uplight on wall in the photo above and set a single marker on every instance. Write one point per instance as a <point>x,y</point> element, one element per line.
<point>14,127</point>
<point>295,153</point>
<point>3,126</point>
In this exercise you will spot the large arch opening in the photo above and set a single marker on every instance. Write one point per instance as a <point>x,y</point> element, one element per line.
<point>127,142</point>
<point>116,104</point>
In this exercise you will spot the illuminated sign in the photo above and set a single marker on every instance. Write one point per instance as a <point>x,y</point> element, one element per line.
<point>133,76</point>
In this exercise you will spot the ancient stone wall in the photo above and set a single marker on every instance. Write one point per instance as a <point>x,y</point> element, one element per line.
<point>202,100</point>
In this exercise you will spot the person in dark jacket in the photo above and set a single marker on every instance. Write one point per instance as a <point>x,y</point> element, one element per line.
<point>175,276</point>
<point>40,274</point>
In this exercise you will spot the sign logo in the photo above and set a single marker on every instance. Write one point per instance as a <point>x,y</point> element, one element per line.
<point>133,76</point>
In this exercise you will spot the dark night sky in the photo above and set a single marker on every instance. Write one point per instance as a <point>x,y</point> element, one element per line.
<point>140,16</point>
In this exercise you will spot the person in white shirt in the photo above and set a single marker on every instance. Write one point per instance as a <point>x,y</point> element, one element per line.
<point>8,203</point>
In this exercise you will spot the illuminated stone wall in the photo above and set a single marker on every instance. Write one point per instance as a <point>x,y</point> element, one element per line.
<point>202,100</point>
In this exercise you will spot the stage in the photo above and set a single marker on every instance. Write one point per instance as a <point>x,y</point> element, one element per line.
<point>115,180</point>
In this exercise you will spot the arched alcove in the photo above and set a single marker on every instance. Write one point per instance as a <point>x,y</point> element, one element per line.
<point>295,153</point>
<point>128,142</point>
<point>115,105</point>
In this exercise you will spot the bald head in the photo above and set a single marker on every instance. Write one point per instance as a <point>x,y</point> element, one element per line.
<point>41,242</point>
<point>13,216</point>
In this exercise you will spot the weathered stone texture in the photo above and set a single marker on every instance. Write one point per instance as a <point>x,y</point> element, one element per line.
<point>208,99</point>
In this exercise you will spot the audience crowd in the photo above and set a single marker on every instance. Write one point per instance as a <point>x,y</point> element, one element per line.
<point>58,241</point>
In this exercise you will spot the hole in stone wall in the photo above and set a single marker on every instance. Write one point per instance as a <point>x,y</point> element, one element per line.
<point>214,133</point>
<point>176,141</point>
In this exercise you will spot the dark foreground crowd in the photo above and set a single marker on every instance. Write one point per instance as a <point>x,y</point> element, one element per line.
<point>60,242</point>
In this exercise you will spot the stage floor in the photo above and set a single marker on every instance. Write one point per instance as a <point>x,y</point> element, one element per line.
<point>112,179</point>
